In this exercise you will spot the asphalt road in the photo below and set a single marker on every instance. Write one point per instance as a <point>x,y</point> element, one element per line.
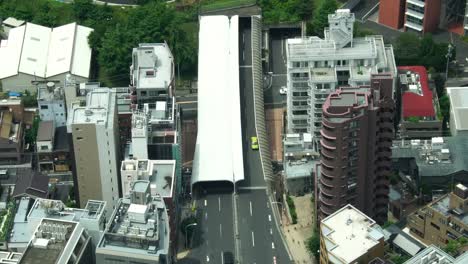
<point>260,241</point>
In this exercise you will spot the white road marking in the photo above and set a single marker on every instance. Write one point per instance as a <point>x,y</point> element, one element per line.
<point>271,231</point>
<point>243,55</point>
<point>243,38</point>
<point>222,258</point>
<point>206,203</point>
<point>253,240</point>
<point>253,188</point>
<point>250,208</point>
<point>269,218</point>
<point>272,245</point>
<point>245,66</point>
<point>268,205</point>
<point>206,216</point>
<point>219,203</point>
<point>207,258</point>
<point>220,230</point>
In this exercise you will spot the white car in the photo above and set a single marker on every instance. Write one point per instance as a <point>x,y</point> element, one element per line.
<point>283,90</point>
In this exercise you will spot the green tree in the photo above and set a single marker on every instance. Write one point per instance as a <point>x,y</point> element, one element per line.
<point>407,49</point>
<point>320,18</point>
<point>444,103</point>
<point>313,244</point>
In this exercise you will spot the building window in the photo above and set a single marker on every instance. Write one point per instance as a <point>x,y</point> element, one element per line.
<point>79,138</point>
<point>153,93</point>
<point>44,147</point>
<point>143,93</point>
<point>44,107</point>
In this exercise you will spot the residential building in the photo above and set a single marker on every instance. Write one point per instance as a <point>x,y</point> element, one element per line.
<point>151,73</point>
<point>30,212</point>
<point>350,236</point>
<point>433,255</point>
<point>403,199</point>
<point>299,163</point>
<point>420,112</point>
<point>138,230</point>
<point>356,145</point>
<point>53,151</point>
<point>51,104</point>
<point>422,16</point>
<point>392,13</point>
<point>9,257</point>
<point>433,164</point>
<point>30,183</point>
<point>11,138</point>
<point>94,137</point>
<point>59,241</point>
<point>36,53</point>
<point>442,220</point>
<point>402,242</point>
<point>16,107</point>
<point>458,97</point>
<point>317,67</point>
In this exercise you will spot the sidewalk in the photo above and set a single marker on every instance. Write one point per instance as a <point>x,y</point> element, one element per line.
<point>297,235</point>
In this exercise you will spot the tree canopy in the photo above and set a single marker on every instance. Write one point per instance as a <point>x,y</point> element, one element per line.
<point>277,11</point>
<point>320,16</point>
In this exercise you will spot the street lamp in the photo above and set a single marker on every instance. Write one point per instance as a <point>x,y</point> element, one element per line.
<point>192,224</point>
<point>448,56</point>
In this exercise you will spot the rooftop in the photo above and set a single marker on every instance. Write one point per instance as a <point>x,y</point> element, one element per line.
<point>159,173</point>
<point>348,234</point>
<point>99,108</point>
<point>449,157</point>
<point>13,22</point>
<point>417,99</point>
<point>138,227</point>
<point>48,92</point>
<point>45,52</point>
<point>153,66</point>
<point>459,106</point>
<point>9,129</point>
<point>433,255</point>
<point>299,156</point>
<point>46,131</point>
<point>443,206</point>
<point>34,185</point>
<point>49,242</point>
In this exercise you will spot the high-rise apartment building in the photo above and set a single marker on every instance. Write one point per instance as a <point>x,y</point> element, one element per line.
<point>94,135</point>
<point>356,145</point>
<point>414,15</point>
<point>316,67</point>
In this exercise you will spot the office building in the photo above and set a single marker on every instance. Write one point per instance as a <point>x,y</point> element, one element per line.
<point>152,73</point>
<point>350,236</point>
<point>138,230</point>
<point>299,163</point>
<point>37,53</point>
<point>94,136</point>
<point>58,241</point>
<point>356,145</point>
<point>458,110</point>
<point>420,112</point>
<point>442,220</point>
<point>51,104</point>
<point>316,67</point>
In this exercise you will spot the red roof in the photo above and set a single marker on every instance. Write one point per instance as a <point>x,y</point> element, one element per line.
<point>414,104</point>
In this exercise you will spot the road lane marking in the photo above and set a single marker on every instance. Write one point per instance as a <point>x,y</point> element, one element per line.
<point>245,66</point>
<point>250,208</point>
<point>253,240</point>
<point>272,245</point>
<point>268,205</point>
<point>269,218</point>
<point>219,203</point>
<point>243,55</point>
<point>207,258</point>
<point>206,203</point>
<point>222,258</point>
<point>253,188</point>
<point>271,231</point>
<point>220,230</point>
<point>206,216</point>
<point>243,37</point>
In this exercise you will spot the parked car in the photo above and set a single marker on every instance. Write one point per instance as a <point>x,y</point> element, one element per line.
<point>283,90</point>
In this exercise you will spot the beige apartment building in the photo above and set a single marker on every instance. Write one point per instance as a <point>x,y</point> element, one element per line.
<point>443,219</point>
<point>94,134</point>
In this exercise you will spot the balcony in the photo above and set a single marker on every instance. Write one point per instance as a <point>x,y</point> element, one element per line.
<point>325,135</point>
<point>324,201</point>
<point>415,14</point>
<point>413,26</point>
<point>416,2</point>
<point>327,146</point>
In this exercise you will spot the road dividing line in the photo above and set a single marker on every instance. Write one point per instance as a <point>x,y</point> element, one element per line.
<point>269,218</point>
<point>220,230</point>
<point>206,203</point>
<point>272,245</point>
<point>206,216</point>
<point>253,240</point>
<point>271,231</point>
<point>219,203</point>
<point>250,208</point>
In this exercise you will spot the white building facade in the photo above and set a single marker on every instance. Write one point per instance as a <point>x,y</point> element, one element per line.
<point>316,67</point>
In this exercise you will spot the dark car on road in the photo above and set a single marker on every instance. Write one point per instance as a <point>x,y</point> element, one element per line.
<point>228,258</point>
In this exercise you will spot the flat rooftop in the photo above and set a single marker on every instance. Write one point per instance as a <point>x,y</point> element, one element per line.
<point>48,92</point>
<point>100,105</point>
<point>418,99</point>
<point>146,227</point>
<point>433,255</point>
<point>349,234</point>
<point>153,66</point>
<point>442,206</point>
<point>40,250</point>
<point>459,106</point>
